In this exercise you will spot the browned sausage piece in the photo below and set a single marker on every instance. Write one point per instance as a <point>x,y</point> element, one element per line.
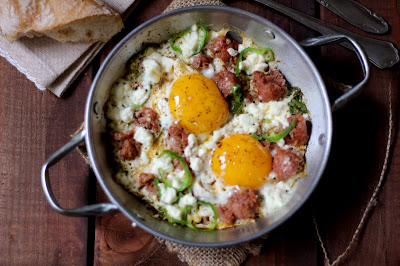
<point>244,203</point>
<point>285,163</point>
<point>147,118</point>
<point>270,86</point>
<point>177,138</point>
<point>147,180</point>
<point>225,214</point>
<point>225,81</point>
<point>118,136</point>
<point>129,147</point>
<point>200,62</point>
<point>299,135</point>
<point>219,48</point>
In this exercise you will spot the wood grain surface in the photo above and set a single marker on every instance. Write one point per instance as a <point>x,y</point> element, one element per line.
<point>34,124</point>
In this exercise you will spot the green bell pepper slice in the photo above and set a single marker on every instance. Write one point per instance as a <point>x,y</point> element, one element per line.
<point>213,225</point>
<point>273,137</point>
<point>258,51</point>
<point>187,178</point>
<point>201,41</point>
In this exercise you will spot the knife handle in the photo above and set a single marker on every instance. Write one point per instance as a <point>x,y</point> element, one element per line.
<point>357,15</point>
<point>382,54</point>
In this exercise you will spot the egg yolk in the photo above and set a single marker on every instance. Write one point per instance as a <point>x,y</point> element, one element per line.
<point>241,160</point>
<point>196,102</point>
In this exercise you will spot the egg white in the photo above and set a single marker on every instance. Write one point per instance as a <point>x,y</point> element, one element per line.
<point>161,68</point>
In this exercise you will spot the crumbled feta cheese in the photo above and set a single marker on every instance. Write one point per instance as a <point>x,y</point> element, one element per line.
<point>196,164</point>
<point>218,64</point>
<point>163,162</point>
<point>176,179</point>
<point>246,122</point>
<point>143,136</point>
<point>277,195</point>
<point>209,71</point>
<point>192,142</point>
<point>127,115</point>
<point>174,212</point>
<point>201,152</point>
<point>143,158</point>
<point>152,71</point>
<point>168,194</point>
<point>205,211</point>
<point>187,200</point>
<point>189,42</point>
<point>138,96</point>
<point>232,52</point>
<point>253,62</point>
<point>165,118</point>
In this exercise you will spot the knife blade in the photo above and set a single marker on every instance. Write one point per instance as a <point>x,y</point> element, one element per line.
<point>357,15</point>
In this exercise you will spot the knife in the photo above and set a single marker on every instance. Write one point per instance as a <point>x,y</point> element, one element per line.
<point>357,15</point>
<point>382,54</point>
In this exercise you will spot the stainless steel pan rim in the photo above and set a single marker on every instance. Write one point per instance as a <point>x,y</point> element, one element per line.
<point>88,135</point>
<point>122,208</point>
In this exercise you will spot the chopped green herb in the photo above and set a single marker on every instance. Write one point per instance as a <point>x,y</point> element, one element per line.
<point>237,99</point>
<point>296,105</point>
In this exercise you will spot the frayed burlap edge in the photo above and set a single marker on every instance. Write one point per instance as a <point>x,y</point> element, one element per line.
<point>181,3</point>
<point>234,255</point>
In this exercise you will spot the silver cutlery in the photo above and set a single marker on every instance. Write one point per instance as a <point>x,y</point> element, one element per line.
<point>357,15</point>
<point>382,54</point>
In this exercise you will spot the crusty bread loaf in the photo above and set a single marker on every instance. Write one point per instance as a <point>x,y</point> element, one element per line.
<point>63,20</point>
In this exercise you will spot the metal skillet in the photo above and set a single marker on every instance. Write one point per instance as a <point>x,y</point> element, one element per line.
<point>297,68</point>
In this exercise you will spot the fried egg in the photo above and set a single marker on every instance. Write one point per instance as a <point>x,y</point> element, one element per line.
<point>217,146</point>
<point>196,102</point>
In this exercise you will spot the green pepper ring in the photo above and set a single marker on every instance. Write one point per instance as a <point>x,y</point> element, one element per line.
<point>258,51</point>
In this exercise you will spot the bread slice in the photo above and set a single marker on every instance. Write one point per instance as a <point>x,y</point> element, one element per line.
<point>63,20</point>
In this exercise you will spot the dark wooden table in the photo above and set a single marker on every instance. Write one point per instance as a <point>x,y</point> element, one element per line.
<point>34,124</point>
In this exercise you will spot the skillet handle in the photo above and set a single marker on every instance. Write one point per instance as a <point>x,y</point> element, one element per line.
<point>332,39</point>
<point>90,210</point>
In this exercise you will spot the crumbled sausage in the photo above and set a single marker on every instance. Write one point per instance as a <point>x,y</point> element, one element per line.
<point>200,62</point>
<point>219,48</point>
<point>147,118</point>
<point>285,163</point>
<point>177,138</point>
<point>244,203</point>
<point>225,214</point>
<point>225,81</point>
<point>147,180</point>
<point>129,148</point>
<point>299,135</point>
<point>270,86</point>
